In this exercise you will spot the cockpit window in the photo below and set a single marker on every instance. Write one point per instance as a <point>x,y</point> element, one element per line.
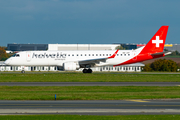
<point>16,55</point>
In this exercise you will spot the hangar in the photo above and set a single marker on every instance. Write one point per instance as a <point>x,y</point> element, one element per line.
<point>59,47</point>
<point>172,47</point>
<point>26,47</point>
<point>62,47</point>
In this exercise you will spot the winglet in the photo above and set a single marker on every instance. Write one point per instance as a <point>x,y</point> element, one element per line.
<point>114,54</point>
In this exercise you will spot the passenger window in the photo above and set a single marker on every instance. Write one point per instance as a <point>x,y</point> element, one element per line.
<point>72,54</point>
<point>96,54</point>
<point>17,55</point>
<point>106,54</point>
<point>128,54</point>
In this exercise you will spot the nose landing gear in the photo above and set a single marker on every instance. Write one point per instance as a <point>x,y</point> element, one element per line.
<point>87,70</point>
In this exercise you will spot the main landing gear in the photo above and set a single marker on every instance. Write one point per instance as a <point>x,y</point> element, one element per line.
<point>87,70</point>
<point>22,71</point>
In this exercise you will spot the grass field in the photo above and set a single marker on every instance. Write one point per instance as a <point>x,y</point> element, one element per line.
<point>87,93</point>
<point>170,56</point>
<point>90,117</point>
<point>80,77</point>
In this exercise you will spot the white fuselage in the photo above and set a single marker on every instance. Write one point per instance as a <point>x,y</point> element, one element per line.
<point>57,58</point>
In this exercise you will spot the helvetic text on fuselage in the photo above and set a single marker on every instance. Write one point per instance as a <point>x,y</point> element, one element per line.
<point>53,55</point>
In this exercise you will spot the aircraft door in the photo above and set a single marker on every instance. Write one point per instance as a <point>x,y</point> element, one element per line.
<point>28,56</point>
<point>134,55</point>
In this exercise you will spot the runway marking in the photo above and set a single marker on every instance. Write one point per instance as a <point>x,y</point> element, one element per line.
<point>137,100</point>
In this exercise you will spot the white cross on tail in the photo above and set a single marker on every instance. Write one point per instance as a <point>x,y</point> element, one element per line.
<point>157,41</point>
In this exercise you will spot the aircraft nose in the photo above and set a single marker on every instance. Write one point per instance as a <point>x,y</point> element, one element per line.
<point>7,62</point>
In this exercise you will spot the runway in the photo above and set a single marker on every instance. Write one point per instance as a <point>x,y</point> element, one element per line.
<point>91,107</point>
<point>89,83</point>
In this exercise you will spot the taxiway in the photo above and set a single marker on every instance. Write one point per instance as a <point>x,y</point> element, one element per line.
<point>92,107</point>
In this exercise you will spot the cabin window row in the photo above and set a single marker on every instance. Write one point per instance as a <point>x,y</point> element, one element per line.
<point>98,55</point>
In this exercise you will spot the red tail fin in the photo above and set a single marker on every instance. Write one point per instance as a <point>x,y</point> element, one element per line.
<point>156,44</point>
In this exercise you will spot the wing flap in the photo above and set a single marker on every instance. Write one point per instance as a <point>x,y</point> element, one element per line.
<point>93,61</point>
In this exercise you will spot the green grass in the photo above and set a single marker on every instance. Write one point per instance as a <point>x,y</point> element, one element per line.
<point>90,117</point>
<point>87,92</point>
<point>80,77</point>
<point>171,56</point>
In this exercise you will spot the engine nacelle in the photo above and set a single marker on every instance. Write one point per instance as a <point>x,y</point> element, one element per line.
<point>70,66</point>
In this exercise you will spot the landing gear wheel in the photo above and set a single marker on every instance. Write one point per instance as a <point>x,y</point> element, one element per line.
<point>89,71</point>
<point>84,70</point>
<point>22,71</point>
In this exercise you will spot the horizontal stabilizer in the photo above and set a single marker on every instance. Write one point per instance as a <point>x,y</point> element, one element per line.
<point>161,53</point>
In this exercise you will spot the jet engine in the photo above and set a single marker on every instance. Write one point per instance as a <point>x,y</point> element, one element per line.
<point>70,66</point>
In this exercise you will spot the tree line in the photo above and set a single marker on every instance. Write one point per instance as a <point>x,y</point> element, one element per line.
<point>174,53</point>
<point>162,65</point>
<point>3,54</point>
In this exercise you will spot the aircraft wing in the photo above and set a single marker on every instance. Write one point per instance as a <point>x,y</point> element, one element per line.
<point>92,62</point>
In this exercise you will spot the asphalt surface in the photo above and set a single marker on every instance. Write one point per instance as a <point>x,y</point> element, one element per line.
<point>89,83</point>
<point>92,107</point>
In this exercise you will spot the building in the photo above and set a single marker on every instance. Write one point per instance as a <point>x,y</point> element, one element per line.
<point>169,47</point>
<point>172,47</point>
<point>60,47</point>
<point>26,47</point>
<point>136,67</point>
<point>127,46</point>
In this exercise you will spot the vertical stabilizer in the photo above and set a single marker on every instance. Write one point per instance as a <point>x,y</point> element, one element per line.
<point>156,44</point>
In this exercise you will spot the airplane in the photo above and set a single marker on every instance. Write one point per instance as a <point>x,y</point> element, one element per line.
<point>74,60</point>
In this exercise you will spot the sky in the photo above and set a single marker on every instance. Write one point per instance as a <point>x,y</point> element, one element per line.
<point>87,21</point>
